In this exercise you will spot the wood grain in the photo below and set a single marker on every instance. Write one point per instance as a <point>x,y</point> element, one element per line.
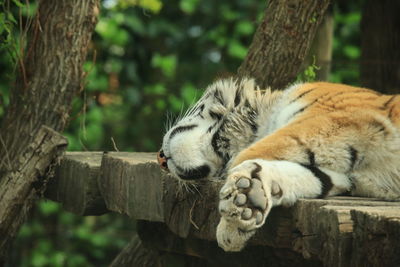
<point>338,231</point>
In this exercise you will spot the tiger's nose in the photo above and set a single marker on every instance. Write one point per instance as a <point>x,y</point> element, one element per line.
<point>162,160</point>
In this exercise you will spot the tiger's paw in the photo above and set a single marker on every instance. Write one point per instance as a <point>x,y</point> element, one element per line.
<point>244,204</point>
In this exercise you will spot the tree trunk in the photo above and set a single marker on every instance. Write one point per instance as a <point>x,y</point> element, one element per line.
<point>320,53</point>
<point>282,41</point>
<point>40,103</point>
<point>380,43</point>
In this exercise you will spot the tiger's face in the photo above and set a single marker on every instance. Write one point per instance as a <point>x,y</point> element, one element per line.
<point>220,124</point>
<point>187,148</point>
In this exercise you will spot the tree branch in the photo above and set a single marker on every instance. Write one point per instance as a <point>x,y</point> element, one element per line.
<point>52,74</point>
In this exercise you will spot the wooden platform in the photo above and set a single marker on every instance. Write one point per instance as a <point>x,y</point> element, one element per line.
<point>339,231</point>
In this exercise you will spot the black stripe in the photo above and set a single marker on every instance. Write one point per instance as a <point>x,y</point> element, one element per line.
<point>311,157</point>
<point>218,97</point>
<point>218,142</point>
<point>353,186</point>
<point>325,179</point>
<point>194,173</point>
<point>214,144</point>
<point>201,108</point>
<point>389,101</point>
<point>247,105</point>
<point>200,111</point>
<point>391,112</point>
<point>252,121</point>
<point>303,94</point>
<point>380,126</point>
<point>215,116</point>
<point>181,129</point>
<point>353,156</point>
<point>304,108</point>
<point>237,98</point>
<point>209,130</point>
<point>254,126</point>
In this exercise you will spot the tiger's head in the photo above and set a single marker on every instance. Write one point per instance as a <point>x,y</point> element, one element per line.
<point>223,122</point>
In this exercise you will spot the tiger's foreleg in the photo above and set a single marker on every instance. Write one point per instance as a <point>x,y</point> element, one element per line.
<point>281,168</point>
<point>255,186</point>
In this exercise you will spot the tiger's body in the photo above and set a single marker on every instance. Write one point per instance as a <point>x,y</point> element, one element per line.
<point>311,140</point>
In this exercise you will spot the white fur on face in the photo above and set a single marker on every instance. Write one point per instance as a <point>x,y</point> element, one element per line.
<point>219,125</point>
<point>187,147</point>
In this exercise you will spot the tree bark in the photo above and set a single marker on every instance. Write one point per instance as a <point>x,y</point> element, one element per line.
<point>380,43</point>
<point>51,74</point>
<point>282,41</point>
<point>320,53</point>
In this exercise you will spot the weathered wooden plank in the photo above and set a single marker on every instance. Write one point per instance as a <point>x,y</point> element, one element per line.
<point>321,230</point>
<point>132,183</point>
<point>135,254</point>
<point>326,227</point>
<point>376,236</point>
<point>157,235</point>
<point>75,183</point>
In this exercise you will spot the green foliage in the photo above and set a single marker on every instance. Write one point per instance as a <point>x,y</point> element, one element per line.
<point>152,5</point>
<point>11,40</point>
<point>346,44</point>
<point>7,24</point>
<point>167,64</point>
<point>309,74</point>
<point>148,63</point>
<point>188,6</point>
<point>54,237</point>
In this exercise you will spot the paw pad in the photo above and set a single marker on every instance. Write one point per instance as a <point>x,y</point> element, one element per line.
<point>251,195</point>
<point>240,199</point>
<point>244,204</point>
<point>247,213</point>
<point>243,183</point>
<point>259,217</point>
<point>245,195</point>
<point>256,195</point>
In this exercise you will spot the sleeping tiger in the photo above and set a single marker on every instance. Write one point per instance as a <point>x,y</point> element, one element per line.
<point>310,140</point>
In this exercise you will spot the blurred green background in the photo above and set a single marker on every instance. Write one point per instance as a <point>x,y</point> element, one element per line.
<point>149,60</point>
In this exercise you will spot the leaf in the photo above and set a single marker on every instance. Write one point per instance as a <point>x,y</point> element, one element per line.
<point>39,260</point>
<point>160,104</point>
<point>188,6</point>
<point>135,24</point>
<point>11,18</point>
<point>351,51</point>
<point>2,23</point>
<point>189,93</point>
<point>152,5</point>
<point>236,49</point>
<point>167,64</point>
<point>49,207</point>
<point>244,28</point>
<point>18,3</point>
<point>112,32</point>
